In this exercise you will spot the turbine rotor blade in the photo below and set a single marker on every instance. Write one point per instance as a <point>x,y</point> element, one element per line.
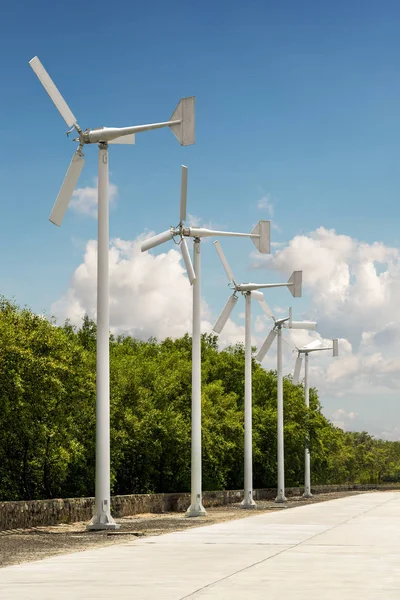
<point>184,183</point>
<point>152,242</point>
<point>53,92</point>
<point>67,188</point>
<point>225,314</point>
<point>259,296</point>
<point>266,345</point>
<point>297,370</point>
<point>188,261</point>
<point>225,263</point>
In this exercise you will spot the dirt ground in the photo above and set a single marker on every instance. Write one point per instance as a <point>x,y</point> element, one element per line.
<point>25,545</point>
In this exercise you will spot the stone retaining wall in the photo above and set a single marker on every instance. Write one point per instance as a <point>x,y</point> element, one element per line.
<point>34,513</point>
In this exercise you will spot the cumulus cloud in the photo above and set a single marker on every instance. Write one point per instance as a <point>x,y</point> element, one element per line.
<point>193,220</point>
<point>84,200</point>
<point>391,435</point>
<point>351,289</point>
<point>259,324</point>
<point>350,283</point>
<point>342,418</point>
<point>341,413</point>
<point>196,221</point>
<point>354,292</point>
<point>265,203</point>
<point>267,206</point>
<point>150,295</point>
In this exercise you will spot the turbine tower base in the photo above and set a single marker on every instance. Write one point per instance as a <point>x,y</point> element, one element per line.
<point>196,510</point>
<point>101,522</point>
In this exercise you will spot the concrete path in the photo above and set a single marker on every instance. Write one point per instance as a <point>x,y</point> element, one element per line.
<point>338,550</point>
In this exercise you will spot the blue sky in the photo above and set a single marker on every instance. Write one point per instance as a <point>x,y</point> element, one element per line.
<point>297,101</point>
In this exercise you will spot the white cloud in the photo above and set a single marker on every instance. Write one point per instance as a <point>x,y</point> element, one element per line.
<point>266,204</point>
<point>354,293</point>
<point>352,289</point>
<point>150,295</point>
<point>341,413</point>
<point>391,435</point>
<point>193,220</point>
<point>84,200</point>
<point>341,418</point>
<point>259,324</point>
<point>349,282</point>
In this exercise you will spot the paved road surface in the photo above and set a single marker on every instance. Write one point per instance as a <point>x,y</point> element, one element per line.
<point>338,550</point>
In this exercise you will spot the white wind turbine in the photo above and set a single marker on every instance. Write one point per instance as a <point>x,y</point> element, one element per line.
<point>261,238</point>
<point>286,323</point>
<point>314,346</point>
<point>249,291</point>
<point>182,125</point>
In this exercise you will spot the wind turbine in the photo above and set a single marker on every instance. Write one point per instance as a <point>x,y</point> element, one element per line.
<point>249,291</point>
<point>286,323</point>
<point>182,125</point>
<point>260,236</point>
<point>315,346</point>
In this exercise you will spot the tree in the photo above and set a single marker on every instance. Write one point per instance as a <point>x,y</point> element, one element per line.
<point>47,416</point>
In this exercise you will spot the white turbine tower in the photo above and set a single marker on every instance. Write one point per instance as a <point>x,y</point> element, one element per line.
<point>287,323</point>
<point>315,346</point>
<point>261,238</point>
<point>249,291</point>
<point>182,125</point>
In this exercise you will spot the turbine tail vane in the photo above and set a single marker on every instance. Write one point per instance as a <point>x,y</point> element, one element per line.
<point>183,130</point>
<point>295,283</point>
<point>261,236</point>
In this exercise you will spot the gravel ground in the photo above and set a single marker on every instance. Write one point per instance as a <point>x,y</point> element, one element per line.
<point>25,545</point>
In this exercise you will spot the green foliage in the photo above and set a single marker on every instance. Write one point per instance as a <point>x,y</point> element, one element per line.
<point>47,417</point>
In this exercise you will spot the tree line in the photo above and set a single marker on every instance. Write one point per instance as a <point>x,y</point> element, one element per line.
<point>47,417</point>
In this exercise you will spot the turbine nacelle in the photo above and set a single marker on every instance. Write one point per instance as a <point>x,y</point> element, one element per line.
<point>281,322</point>
<point>260,235</point>
<point>249,287</point>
